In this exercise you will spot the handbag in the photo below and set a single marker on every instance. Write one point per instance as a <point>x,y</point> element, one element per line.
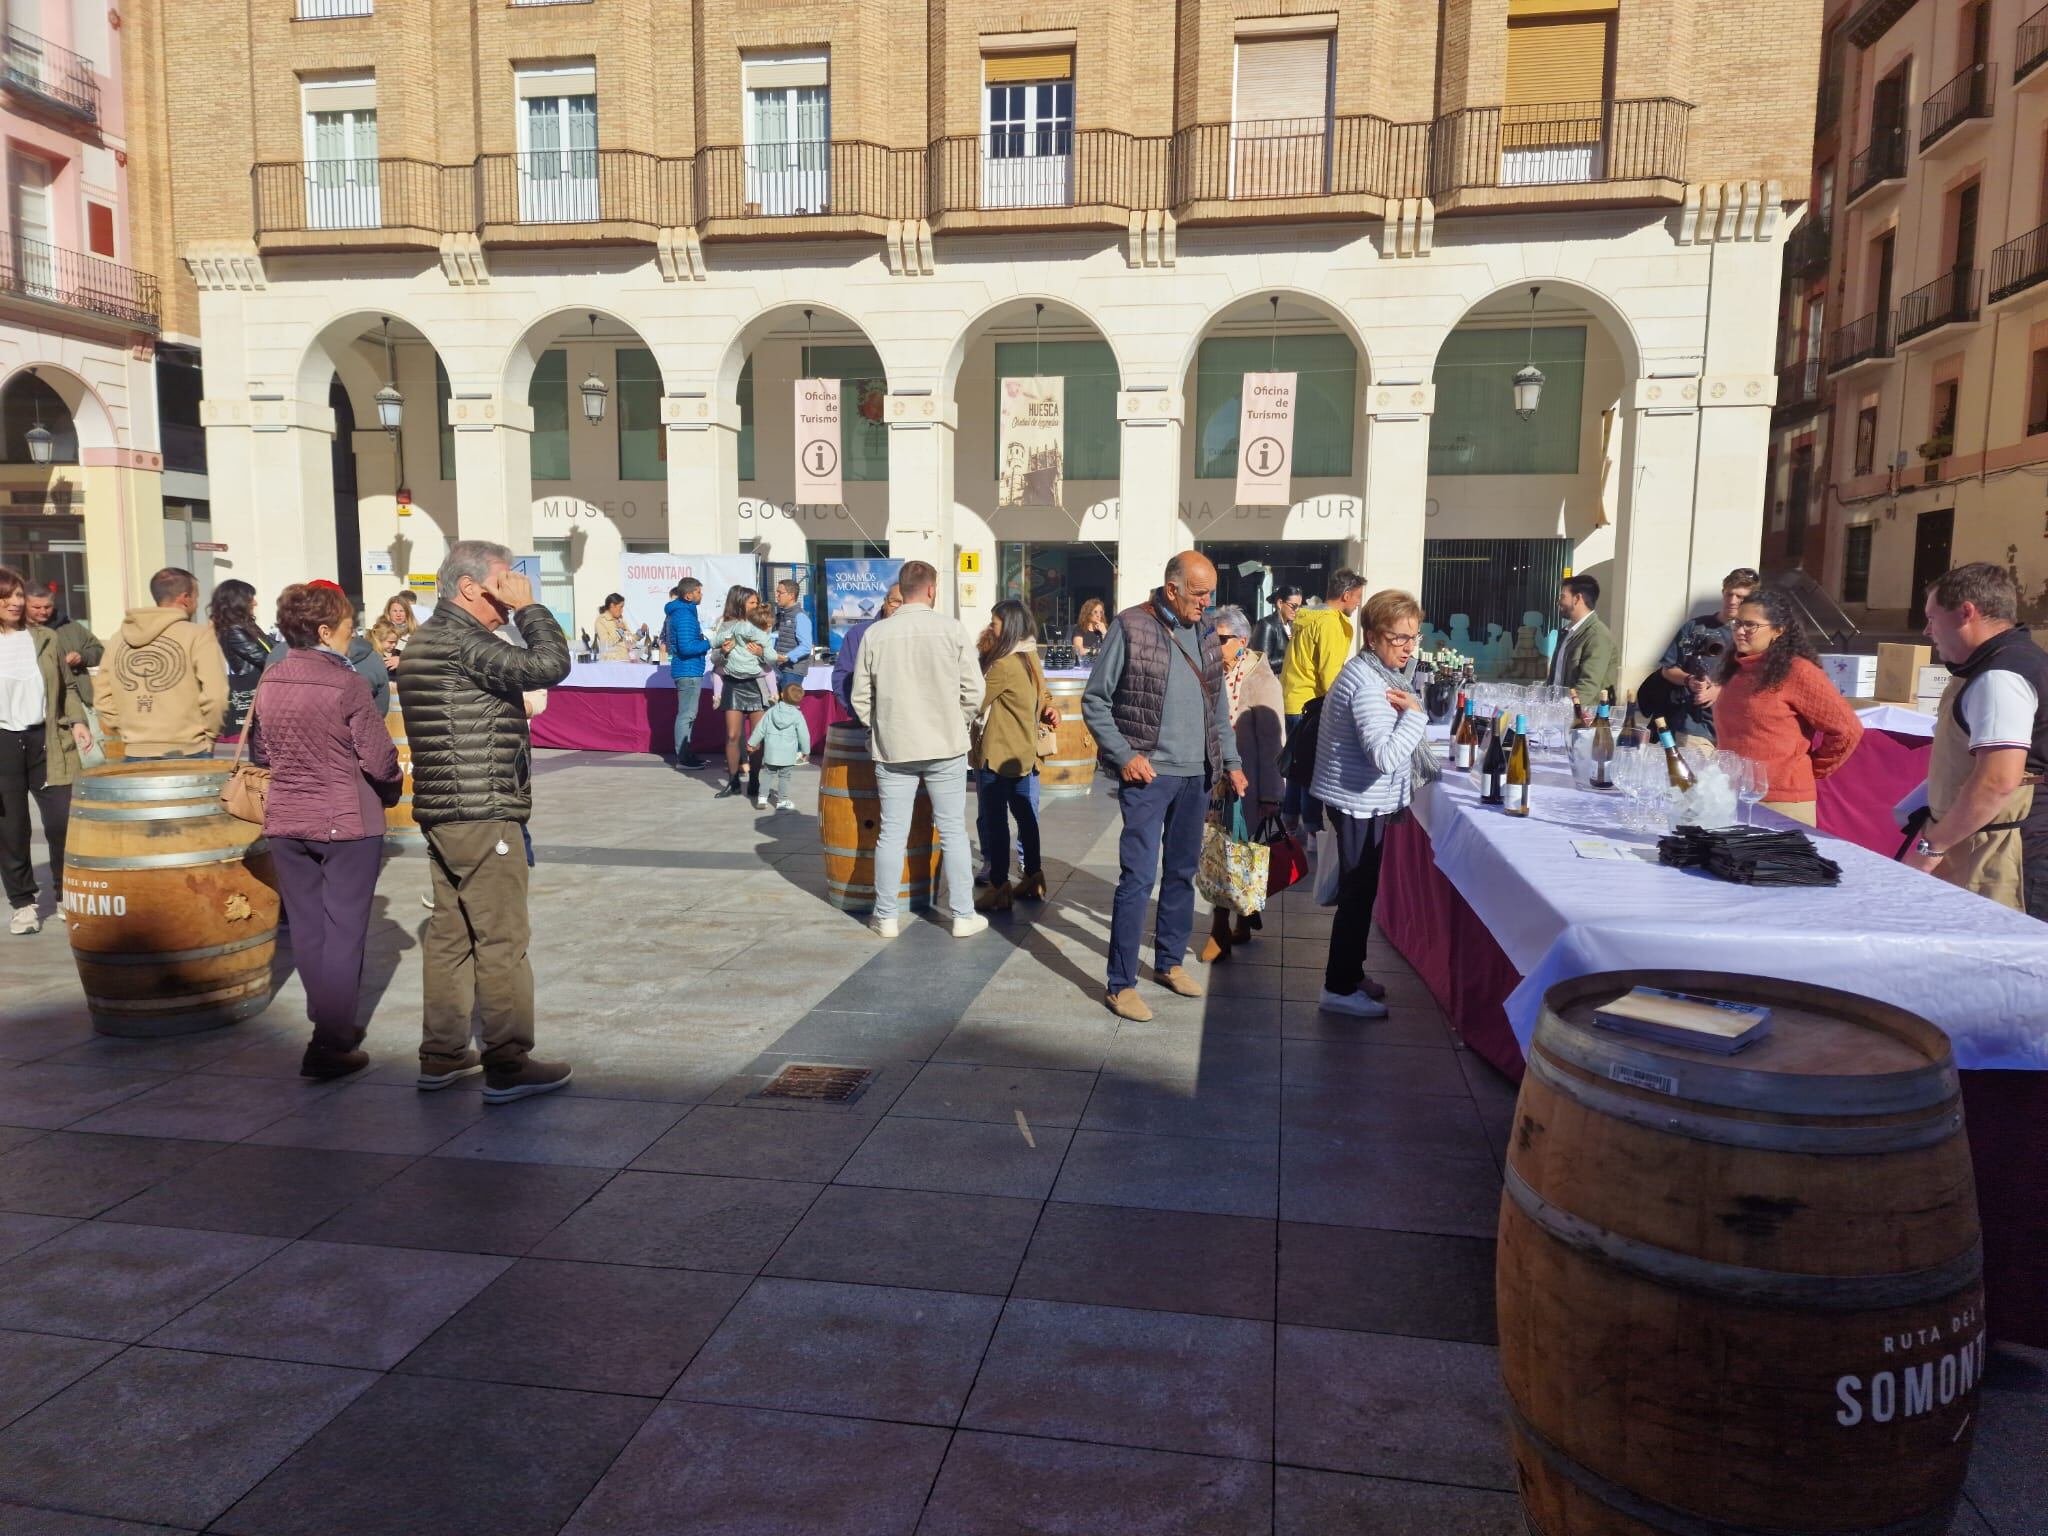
<point>1286,859</point>
<point>246,795</point>
<point>1232,872</point>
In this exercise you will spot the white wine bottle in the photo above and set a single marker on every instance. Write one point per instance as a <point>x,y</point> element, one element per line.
<point>1675,766</point>
<point>1603,748</point>
<point>1465,739</point>
<point>1515,791</point>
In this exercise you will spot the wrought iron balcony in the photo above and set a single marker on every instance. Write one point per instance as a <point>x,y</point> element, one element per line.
<point>1050,168</point>
<point>1559,144</point>
<point>1799,384</point>
<point>334,10</point>
<point>1951,299</point>
<point>1860,341</point>
<point>54,76</point>
<point>305,196</point>
<point>78,281</point>
<point>1812,242</point>
<point>2030,45</point>
<point>2019,264</point>
<point>808,178</point>
<point>580,186</point>
<point>1300,157</point>
<point>1964,99</point>
<point>1882,160</point>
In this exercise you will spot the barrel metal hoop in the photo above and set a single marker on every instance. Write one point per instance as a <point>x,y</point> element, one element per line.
<point>95,789</point>
<point>1756,1135</point>
<point>164,860</point>
<point>1738,1282</point>
<point>172,956</point>
<point>1735,1087</point>
<point>1678,1522</point>
<point>869,853</point>
<point>176,1000</point>
<point>182,810</point>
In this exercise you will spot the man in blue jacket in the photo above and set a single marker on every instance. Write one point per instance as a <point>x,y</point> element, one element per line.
<point>687,647</point>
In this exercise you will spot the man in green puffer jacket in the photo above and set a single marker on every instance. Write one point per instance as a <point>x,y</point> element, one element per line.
<point>461,689</point>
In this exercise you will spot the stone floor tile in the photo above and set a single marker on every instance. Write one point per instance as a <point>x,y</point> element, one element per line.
<point>1171,1173</point>
<point>958,1157</point>
<point>682,1220</point>
<point>42,1029</point>
<point>1307,1503</point>
<point>971,1091</point>
<point>173,1053</point>
<point>1200,1106</point>
<point>455,1458</point>
<point>374,1117</point>
<point>750,1472</point>
<point>18,1234</point>
<point>206,1108</point>
<point>1377,1281</point>
<point>35,1366</point>
<point>1002,1485</point>
<point>69,1174</point>
<point>194,1433</point>
<point>1222,982</point>
<point>1170,1261</point>
<point>1421,1028</point>
<point>21,1520</point>
<point>12,1136</point>
<point>747,1141</point>
<point>2008,1471</point>
<point>1391,1407</point>
<point>1364,1184</point>
<point>561,1128</point>
<point>892,1031</point>
<point>334,1304</point>
<point>939,1242</point>
<point>1166,1381</point>
<point>102,1281</point>
<point>1067,1044</point>
<point>272,1191</point>
<point>1175,1049</point>
<point>47,1096</point>
<point>1366,1064</point>
<point>1437,1124</point>
<point>863,1351</point>
<point>465,1205</point>
<point>619,1328</point>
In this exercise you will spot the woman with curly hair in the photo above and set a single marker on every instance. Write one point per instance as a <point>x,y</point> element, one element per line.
<point>1775,701</point>
<point>243,644</point>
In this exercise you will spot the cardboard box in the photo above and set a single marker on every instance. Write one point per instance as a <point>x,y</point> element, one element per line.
<point>1898,671</point>
<point>1855,676</point>
<point>1933,681</point>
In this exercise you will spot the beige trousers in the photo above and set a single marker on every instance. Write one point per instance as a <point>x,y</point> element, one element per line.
<point>475,948</point>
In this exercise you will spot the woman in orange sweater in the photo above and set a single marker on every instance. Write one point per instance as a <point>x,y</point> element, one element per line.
<point>1774,701</point>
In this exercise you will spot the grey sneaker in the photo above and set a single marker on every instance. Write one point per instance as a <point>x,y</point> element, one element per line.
<point>25,921</point>
<point>529,1077</point>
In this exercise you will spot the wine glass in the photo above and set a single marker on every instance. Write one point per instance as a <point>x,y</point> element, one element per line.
<point>1754,784</point>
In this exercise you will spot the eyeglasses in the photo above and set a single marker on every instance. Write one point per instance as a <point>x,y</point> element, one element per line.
<point>1400,640</point>
<point>1751,626</point>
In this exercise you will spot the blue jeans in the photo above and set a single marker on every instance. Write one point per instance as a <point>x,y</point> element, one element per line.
<point>687,690</point>
<point>945,785</point>
<point>998,799</point>
<point>1163,836</point>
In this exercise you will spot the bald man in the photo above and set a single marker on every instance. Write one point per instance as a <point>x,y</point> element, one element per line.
<point>1156,705</point>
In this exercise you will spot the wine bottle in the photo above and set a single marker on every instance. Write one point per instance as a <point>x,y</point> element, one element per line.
<point>1515,791</point>
<point>1493,771</point>
<point>1464,740</point>
<point>1603,747</point>
<point>1675,766</point>
<point>1631,732</point>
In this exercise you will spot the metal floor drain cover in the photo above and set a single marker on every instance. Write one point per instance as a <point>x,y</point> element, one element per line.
<point>818,1084</point>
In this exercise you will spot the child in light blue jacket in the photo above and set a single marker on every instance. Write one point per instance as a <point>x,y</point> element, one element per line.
<point>784,739</point>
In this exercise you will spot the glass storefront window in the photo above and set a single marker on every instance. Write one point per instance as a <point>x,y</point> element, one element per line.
<point>1325,409</point>
<point>746,403</point>
<point>1053,581</point>
<point>643,443</point>
<point>1094,437</point>
<point>1475,430</point>
<point>863,434</point>
<point>548,394</point>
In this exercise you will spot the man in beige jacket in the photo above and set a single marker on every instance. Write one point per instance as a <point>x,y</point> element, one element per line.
<point>917,684</point>
<point>163,686</point>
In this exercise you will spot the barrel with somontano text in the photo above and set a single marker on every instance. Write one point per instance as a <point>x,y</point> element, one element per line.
<point>171,903</point>
<point>1740,1293</point>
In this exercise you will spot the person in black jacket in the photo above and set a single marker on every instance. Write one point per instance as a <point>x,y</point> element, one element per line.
<point>1271,634</point>
<point>244,645</point>
<point>462,690</point>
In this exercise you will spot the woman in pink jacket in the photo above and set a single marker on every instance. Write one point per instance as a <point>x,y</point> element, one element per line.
<point>333,770</point>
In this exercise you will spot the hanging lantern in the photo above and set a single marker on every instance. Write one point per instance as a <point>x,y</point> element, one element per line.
<point>42,444</point>
<point>593,389</point>
<point>390,408</point>
<point>1529,378</point>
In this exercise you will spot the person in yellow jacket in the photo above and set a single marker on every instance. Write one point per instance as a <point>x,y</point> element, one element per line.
<point>1322,642</point>
<point>163,684</point>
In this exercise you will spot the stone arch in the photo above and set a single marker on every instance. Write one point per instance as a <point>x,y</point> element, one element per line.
<point>982,320</point>
<point>1601,306</point>
<point>733,360</point>
<point>334,341</point>
<point>1335,313</point>
<point>91,420</point>
<point>514,375</point>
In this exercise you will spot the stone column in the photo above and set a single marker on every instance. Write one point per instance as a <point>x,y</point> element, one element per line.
<point>123,523</point>
<point>1728,498</point>
<point>270,469</point>
<point>1652,545</point>
<point>921,429</point>
<point>703,473</point>
<point>493,471</point>
<point>1148,491</point>
<point>1396,486</point>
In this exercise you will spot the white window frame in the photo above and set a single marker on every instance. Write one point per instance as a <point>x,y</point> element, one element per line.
<point>558,184</point>
<point>343,193</point>
<point>1041,172</point>
<point>35,269</point>
<point>790,176</point>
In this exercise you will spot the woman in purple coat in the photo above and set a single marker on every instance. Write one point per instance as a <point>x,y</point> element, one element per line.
<point>333,770</point>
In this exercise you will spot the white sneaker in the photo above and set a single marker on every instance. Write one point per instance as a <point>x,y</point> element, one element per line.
<point>967,927</point>
<point>884,927</point>
<point>1356,1004</point>
<point>25,921</point>
<point>761,804</point>
<point>784,803</point>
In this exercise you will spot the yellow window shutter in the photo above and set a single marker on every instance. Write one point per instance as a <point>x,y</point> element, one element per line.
<point>1557,62</point>
<point>1009,68</point>
<point>1284,79</point>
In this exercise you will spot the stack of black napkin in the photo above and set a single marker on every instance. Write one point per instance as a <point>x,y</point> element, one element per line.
<point>1749,856</point>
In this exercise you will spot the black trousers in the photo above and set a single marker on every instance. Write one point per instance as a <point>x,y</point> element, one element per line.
<point>327,890</point>
<point>1350,930</point>
<point>24,772</point>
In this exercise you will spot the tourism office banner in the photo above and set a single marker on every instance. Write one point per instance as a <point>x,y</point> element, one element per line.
<point>854,590</point>
<point>645,581</point>
<point>1265,440</point>
<point>817,443</point>
<point>1031,443</point>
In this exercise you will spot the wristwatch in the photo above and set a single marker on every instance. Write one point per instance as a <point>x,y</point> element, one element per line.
<point>1925,849</point>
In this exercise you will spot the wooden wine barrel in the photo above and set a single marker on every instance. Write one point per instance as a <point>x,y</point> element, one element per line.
<point>1071,770</point>
<point>171,902</point>
<point>850,816</point>
<point>1740,1293</point>
<point>399,827</point>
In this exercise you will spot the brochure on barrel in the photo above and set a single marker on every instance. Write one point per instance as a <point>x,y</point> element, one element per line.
<point>1678,1018</point>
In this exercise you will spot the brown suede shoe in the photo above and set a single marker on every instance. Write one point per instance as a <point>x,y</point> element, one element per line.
<point>1212,950</point>
<point>994,898</point>
<point>1127,1005</point>
<point>1032,886</point>
<point>323,1065</point>
<point>1177,981</point>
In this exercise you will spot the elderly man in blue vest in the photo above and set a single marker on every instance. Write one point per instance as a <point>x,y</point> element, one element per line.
<point>1156,705</point>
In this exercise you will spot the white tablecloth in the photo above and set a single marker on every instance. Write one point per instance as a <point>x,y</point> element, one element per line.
<point>1977,969</point>
<point>654,674</point>
<point>1898,718</point>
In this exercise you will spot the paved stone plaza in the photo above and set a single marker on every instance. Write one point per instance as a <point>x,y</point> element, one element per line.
<point>1227,1272</point>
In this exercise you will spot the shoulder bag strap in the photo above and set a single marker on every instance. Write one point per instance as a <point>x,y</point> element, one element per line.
<point>248,727</point>
<point>1173,645</point>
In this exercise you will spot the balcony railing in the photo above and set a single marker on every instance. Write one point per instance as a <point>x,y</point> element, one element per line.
<point>1966,97</point>
<point>1061,168</point>
<point>580,186</point>
<point>396,194</point>
<point>2030,45</point>
<point>1300,157</point>
<point>839,178</point>
<point>1799,383</point>
<point>2019,264</point>
<point>334,10</point>
<point>54,75</point>
<point>1559,144</point>
<point>1808,250</point>
<point>78,281</point>
<point>1882,160</point>
<point>1951,299</point>
<point>1860,341</point>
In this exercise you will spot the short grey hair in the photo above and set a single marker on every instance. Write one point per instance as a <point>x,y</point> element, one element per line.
<point>468,557</point>
<point>1230,620</point>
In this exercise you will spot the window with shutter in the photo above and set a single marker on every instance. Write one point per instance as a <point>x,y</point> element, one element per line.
<point>1556,111</point>
<point>1280,121</point>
